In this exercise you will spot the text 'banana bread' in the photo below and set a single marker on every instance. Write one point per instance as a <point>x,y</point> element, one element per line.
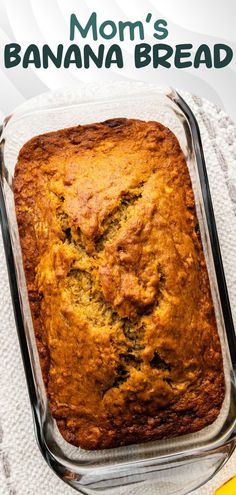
<point>117,283</point>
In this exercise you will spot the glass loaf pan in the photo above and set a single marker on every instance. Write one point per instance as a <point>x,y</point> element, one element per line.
<point>173,466</point>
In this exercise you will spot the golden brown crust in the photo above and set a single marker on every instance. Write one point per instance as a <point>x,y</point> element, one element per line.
<point>117,283</point>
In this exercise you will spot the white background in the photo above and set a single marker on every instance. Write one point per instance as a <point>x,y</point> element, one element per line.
<point>47,21</point>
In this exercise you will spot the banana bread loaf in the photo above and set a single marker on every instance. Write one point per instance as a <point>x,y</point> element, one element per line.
<point>117,283</point>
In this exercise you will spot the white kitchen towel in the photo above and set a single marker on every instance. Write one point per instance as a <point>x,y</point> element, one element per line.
<point>23,470</point>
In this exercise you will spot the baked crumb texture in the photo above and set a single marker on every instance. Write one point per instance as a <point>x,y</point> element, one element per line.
<point>117,284</point>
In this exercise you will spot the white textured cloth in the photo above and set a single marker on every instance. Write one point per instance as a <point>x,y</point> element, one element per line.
<point>23,470</point>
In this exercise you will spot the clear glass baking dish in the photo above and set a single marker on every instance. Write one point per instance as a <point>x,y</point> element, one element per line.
<point>173,466</point>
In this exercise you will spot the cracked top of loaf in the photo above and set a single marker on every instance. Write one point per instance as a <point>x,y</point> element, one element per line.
<point>117,283</point>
